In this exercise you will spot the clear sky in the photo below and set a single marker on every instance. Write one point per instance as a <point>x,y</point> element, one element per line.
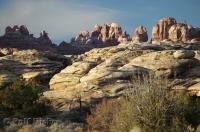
<point>63,19</point>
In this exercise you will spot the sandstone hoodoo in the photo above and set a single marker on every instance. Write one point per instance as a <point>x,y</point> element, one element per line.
<point>168,29</point>
<point>82,37</point>
<point>140,35</point>
<point>160,30</point>
<point>102,34</point>
<point>19,37</point>
<point>179,32</point>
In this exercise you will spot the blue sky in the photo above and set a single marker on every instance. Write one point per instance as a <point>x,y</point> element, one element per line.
<point>63,19</point>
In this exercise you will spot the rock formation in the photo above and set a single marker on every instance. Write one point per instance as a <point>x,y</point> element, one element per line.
<point>178,32</point>
<point>124,38</point>
<point>82,37</point>
<point>16,31</point>
<point>18,37</point>
<point>31,65</point>
<point>168,29</point>
<point>106,34</point>
<point>107,72</point>
<point>160,30</point>
<point>140,35</point>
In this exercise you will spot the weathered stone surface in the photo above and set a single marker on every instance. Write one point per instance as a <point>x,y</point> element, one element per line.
<point>71,75</point>
<point>108,71</point>
<point>96,70</point>
<point>116,67</point>
<point>184,54</point>
<point>31,65</point>
<point>179,32</point>
<point>163,63</point>
<point>140,35</point>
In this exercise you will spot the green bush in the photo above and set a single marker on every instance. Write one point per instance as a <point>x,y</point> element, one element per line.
<point>21,99</point>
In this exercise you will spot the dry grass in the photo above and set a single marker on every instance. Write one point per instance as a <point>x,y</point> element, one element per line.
<point>149,105</point>
<point>41,127</point>
<point>101,116</point>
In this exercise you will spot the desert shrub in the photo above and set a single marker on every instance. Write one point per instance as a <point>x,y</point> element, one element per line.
<point>21,99</point>
<point>101,116</point>
<point>152,106</point>
<point>148,105</point>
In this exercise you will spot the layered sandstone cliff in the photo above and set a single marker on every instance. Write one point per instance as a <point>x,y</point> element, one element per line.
<point>168,29</point>
<point>102,34</point>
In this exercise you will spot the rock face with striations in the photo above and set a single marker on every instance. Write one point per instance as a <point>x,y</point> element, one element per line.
<point>105,34</point>
<point>179,32</point>
<point>107,72</point>
<point>101,36</point>
<point>168,29</point>
<point>161,29</point>
<point>31,65</point>
<point>93,72</point>
<point>140,35</point>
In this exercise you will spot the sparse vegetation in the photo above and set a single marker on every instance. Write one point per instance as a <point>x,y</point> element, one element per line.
<point>101,117</point>
<point>149,105</point>
<point>41,127</point>
<point>21,99</point>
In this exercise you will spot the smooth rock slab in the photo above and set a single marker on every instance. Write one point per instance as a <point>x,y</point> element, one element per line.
<point>184,54</point>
